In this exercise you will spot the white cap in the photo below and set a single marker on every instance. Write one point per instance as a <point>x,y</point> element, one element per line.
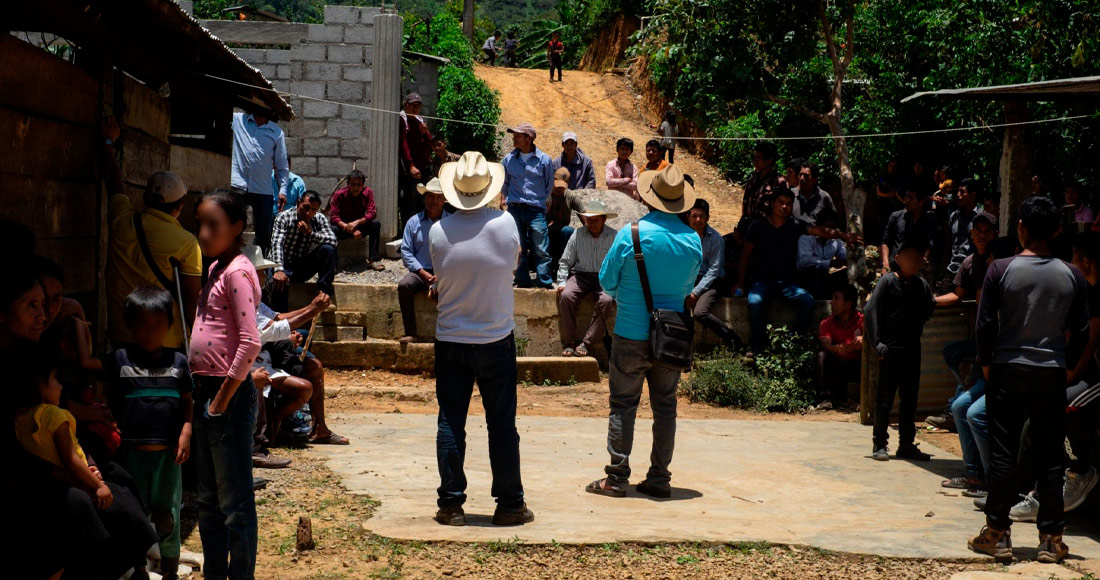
<point>566,136</point>
<point>167,185</point>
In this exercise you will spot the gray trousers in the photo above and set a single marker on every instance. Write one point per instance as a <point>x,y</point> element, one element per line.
<point>632,363</point>
<point>579,285</point>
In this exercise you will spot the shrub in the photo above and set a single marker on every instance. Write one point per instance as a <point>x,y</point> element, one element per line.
<point>464,96</point>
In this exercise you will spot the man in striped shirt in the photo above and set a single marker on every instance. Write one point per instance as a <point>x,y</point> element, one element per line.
<point>583,255</point>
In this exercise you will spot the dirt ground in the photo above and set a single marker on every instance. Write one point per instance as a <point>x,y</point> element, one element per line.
<point>347,549</point>
<point>600,108</point>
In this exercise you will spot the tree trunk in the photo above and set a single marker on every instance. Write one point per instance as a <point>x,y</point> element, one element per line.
<point>854,201</point>
<point>468,19</point>
<point>1016,167</point>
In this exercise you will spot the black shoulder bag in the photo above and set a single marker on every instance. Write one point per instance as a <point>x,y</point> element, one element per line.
<point>671,332</point>
<point>143,243</point>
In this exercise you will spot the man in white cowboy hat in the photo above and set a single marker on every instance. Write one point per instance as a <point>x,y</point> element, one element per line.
<point>474,254</point>
<point>528,182</point>
<point>673,254</point>
<point>416,254</point>
<point>579,276</point>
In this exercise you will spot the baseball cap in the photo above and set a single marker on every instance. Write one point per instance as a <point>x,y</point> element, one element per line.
<point>568,136</point>
<point>166,185</point>
<point>523,129</point>
<point>985,217</point>
<point>561,177</point>
<point>413,98</point>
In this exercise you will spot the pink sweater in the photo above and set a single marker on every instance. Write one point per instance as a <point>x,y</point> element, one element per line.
<point>225,340</point>
<point>619,180</point>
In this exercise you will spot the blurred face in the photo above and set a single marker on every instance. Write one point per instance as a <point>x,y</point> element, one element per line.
<point>26,319</point>
<point>413,108</point>
<point>1073,197</point>
<point>910,261</point>
<point>569,148</point>
<point>1036,184</point>
<point>595,224</point>
<point>892,167</point>
<point>918,168</point>
<point>991,206</point>
<point>216,234</point>
<point>522,141</point>
<point>557,191</point>
<point>51,390</point>
<point>782,206</point>
<point>982,233</point>
<point>355,186</point>
<point>439,147</point>
<point>149,330</point>
<point>966,197</point>
<point>433,204</point>
<point>652,154</point>
<point>912,202</point>
<point>1083,263</point>
<point>838,306</point>
<point>760,163</point>
<point>698,219</point>
<point>624,152</point>
<point>55,295</point>
<point>806,178</point>
<point>308,209</point>
<point>792,176</point>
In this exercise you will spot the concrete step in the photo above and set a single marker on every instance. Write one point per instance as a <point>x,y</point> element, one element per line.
<point>419,357</point>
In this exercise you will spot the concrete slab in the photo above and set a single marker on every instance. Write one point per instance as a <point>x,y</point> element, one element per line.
<point>789,482</point>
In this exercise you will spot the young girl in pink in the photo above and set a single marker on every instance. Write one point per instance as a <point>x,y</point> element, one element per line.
<point>224,344</point>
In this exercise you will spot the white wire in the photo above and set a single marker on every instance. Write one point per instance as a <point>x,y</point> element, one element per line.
<point>653,135</point>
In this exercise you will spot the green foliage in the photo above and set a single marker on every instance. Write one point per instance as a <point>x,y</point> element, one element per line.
<point>464,96</point>
<point>780,379</point>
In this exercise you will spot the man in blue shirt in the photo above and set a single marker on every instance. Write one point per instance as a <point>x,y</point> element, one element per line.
<point>259,146</point>
<point>673,254</point>
<point>416,256</point>
<point>704,295</point>
<point>295,188</point>
<point>528,181</point>
<point>581,173</point>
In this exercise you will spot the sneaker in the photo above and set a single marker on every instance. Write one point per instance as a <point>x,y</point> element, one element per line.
<point>945,421</point>
<point>976,492</point>
<point>993,542</point>
<point>961,482</point>
<point>1025,511</point>
<point>1052,550</point>
<point>451,516</point>
<point>979,502</point>
<point>912,452</point>
<point>513,517</point>
<point>258,483</point>
<point>1077,488</point>
<point>881,454</point>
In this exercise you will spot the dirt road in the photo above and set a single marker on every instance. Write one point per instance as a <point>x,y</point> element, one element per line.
<point>600,108</point>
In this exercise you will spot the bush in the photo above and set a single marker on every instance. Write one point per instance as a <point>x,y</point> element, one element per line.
<point>464,96</point>
<point>780,379</point>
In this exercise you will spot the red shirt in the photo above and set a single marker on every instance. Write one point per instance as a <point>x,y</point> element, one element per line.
<point>555,45</point>
<point>839,334</point>
<point>344,207</point>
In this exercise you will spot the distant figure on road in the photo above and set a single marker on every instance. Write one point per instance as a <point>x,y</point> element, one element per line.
<point>490,47</point>
<point>554,53</point>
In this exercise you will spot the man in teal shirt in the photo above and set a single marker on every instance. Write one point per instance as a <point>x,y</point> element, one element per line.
<point>673,255</point>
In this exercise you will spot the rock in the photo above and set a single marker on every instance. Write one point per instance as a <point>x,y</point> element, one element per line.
<point>305,534</point>
<point>616,202</point>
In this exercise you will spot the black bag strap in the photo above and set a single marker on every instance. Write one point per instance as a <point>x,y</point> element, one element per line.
<point>143,243</point>
<point>640,259</point>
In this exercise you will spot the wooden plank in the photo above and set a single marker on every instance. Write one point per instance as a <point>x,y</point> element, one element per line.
<point>50,208</point>
<point>144,109</point>
<point>142,156</point>
<point>77,259</point>
<point>46,148</point>
<point>247,32</point>
<point>36,81</point>
<point>201,170</point>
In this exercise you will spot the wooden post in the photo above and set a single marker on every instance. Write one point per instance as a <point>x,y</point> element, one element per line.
<point>1016,166</point>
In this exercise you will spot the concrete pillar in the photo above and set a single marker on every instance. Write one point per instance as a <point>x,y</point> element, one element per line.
<point>383,144</point>
<point>1016,166</point>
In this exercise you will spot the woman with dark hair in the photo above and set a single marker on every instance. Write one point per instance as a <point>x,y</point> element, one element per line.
<point>224,345</point>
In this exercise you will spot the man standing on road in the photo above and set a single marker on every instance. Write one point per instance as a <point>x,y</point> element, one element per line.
<point>259,146</point>
<point>474,253</point>
<point>673,254</point>
<point>581,173</point>
<point>528,182</point>
<point>416,255</point>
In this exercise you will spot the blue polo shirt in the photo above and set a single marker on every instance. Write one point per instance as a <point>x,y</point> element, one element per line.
<point>257,149</point>
<point>673,254</point>
<point>528,181</point>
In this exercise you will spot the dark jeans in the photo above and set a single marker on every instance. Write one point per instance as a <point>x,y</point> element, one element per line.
<point>407,289</point>
<point>632,364</point>
<point>320,262</point>
<point>898,375</point>
<point>760,293</point>
<point>493,367</point>
<point>372,230</point>
<point>820,283</point>
<point>555,63</point>
<point>558,238</point>
<point>702,313</point>
<point>834,375</point>
<point>410,202</point>
<point>222,451</point>
<point>263,217</point>
<point>1018,393</point>
<point>671,151</point>
<point>534,242</point>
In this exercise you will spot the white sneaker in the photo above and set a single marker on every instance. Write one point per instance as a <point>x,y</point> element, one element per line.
<point>1077,488</point>
<point>1025,511</point>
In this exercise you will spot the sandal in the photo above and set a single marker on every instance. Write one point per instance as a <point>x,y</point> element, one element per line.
<point>606,488</point>
<point>376,266</point>
<point>582,350</point>
<point>567,351</point>
<point>332,439</point>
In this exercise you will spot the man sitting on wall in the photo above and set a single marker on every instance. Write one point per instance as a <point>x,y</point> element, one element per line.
<point>841,336</point>
<point>817,255</point>
<point>352,212</point>
<point>579,275</point>
<point>704,294</point>
<point>415,255</point>
<point>302,245</point>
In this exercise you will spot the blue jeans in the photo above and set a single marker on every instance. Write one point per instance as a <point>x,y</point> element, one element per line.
<point>493,367</point>
<point>969,412</point>
<point>558,240</point>
<point>761,292</point>
<point>222,451</point>
<point>956,353</point>
<point>263,219</point>
<point>534,240</point>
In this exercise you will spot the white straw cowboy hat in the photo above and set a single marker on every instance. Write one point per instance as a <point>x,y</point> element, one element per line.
<point>433,186</point>
<point>666,190</point>
<point>256,256</point>
<point>471,182</point>
<point>595,207</point>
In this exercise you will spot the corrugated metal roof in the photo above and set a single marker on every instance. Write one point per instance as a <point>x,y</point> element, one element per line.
<point>1075,88</point>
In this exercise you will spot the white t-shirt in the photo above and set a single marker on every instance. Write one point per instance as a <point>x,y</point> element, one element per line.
<point>669,130</point>
<point>490,44</point>
<point>474,255</point>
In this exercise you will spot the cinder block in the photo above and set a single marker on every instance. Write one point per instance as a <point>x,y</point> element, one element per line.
<point>308,52</point>
<point>345,128</point>
<point>252,56</point>
<point>305,128</point>
<point>359,34</point>
<point>277,56</point>
<point>321,146</point>
<point>346,91</point>
<point>353,112</point>
<point>341,14</point>
<point>348,333</point>
<point>305,166</point>
<point>393,249</point>
<point>366,15</point>
<point>321,71</point>
<point>282,71</point>
<point>293,146</point>
<point>354,148</point>
<point>314,89</point>
<point>352,53</point>
<point>325,33</point>
<point>268,70</point>
<point>320,110</point>
<point>333,166</point>
<point>359,73</point>
<point>558,369</point>
<point>283,86</point>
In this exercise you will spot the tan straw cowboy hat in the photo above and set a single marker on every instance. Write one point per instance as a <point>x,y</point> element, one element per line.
<point>666,190</point>
<point>471,182</point>
<point>433,186</point>
<point>595,207</point>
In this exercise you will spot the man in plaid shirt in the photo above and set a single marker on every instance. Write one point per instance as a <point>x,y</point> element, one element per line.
<point>302,245</point>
